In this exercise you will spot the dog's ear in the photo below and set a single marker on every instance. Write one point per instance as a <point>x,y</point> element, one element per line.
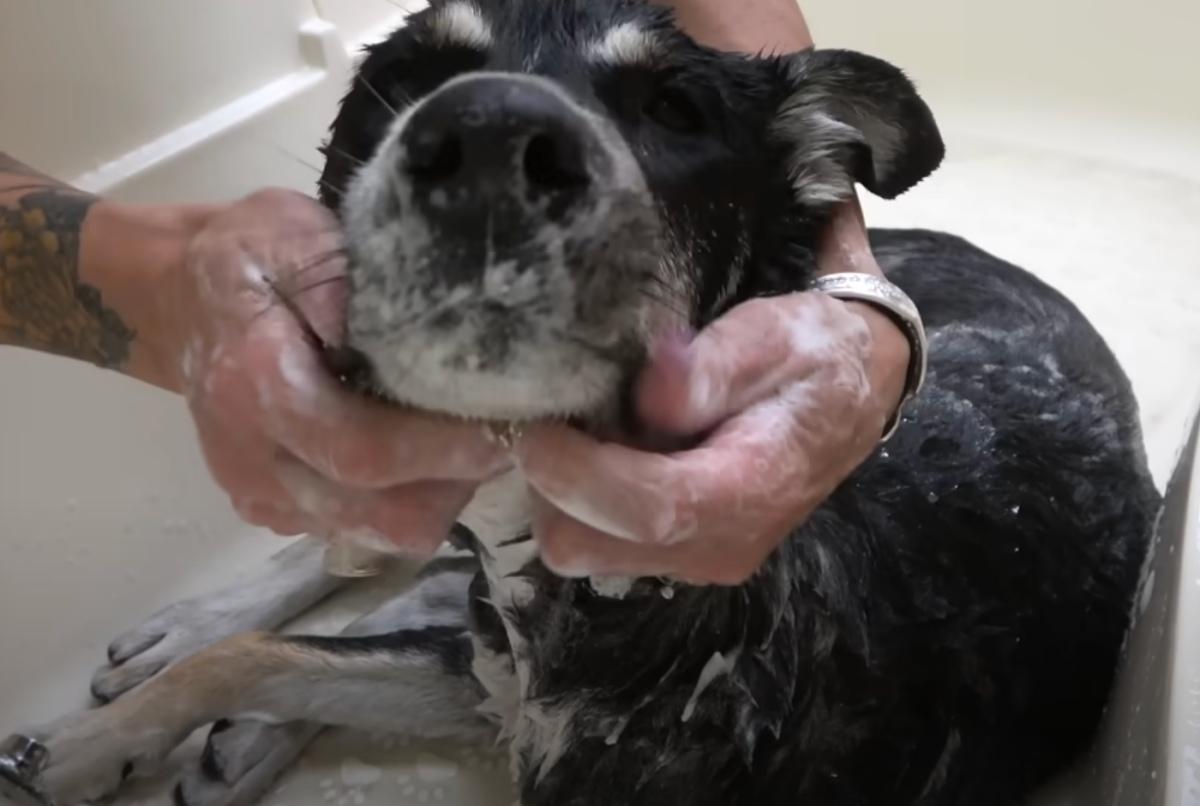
<point>848,117</point>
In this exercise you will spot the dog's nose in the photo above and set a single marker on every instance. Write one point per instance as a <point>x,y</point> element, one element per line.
<point>485,139</point>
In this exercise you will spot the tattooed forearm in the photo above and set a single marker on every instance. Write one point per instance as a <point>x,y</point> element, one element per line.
<point>43,303</point>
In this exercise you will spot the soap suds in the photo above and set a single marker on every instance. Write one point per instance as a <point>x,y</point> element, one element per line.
<point>717,666</point>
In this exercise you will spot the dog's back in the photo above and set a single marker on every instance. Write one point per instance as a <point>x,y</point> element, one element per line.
<point>943,631</point>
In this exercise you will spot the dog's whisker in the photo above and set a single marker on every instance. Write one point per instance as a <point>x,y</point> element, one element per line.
<point>319,260</point>
<point>332,188</point>
<point>346,155</point>
<point>378,96</point>
<point>295,158</point>
<point>317,284</point>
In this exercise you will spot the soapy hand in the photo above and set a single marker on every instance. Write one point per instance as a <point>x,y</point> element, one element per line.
<point>793,393</point>
<point>261,289</point>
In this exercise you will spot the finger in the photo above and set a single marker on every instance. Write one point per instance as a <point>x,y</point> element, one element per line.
<point>301,246</point>
<point>242,464</point>
<point>619,491</point>
<point>745,357</point>
<point>352,440</point>
<point>283,522</point>
<point>416,518</point>
<point>650,498</point>
<point>759,474</point>
<point>320,293</point>
<point>576,550</point>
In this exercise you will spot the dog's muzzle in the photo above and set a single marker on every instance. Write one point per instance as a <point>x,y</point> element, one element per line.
<point>501,156</point>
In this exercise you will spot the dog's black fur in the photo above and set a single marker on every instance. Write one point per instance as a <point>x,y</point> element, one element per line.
<point>942,631</point>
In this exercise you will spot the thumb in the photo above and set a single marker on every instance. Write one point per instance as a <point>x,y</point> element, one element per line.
<point>739,360</point>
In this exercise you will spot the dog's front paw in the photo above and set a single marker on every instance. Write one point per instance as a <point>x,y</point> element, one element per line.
<point>175,632</point>
<point>91,753</point>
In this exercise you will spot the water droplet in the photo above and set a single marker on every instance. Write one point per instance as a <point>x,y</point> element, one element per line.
<point>932,498</point>
<point>668,593</point>
<point>1016,510</point>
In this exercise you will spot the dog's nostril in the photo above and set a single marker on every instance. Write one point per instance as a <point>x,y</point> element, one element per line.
<point>548,164</point>
<point>437,161</point>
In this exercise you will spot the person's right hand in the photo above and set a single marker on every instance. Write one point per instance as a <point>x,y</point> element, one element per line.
<point>295,451</point>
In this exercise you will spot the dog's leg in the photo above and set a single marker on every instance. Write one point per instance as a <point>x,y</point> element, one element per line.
<point>243,758</point>
<point>292,581</point>
<point>415,680</point>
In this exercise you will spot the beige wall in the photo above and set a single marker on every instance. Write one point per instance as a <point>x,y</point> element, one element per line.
<point>1087,75</point>
<point>1083,54</point>
<point>196,98</point>
<point>86,83</point>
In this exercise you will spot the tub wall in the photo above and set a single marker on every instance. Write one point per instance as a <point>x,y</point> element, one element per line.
<point>1091,76</point>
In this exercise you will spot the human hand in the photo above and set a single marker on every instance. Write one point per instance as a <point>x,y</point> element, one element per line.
<point>795,390</point>
<point>261,285</point>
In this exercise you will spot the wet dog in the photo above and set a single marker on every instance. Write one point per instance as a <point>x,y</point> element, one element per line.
<point>534,190</point>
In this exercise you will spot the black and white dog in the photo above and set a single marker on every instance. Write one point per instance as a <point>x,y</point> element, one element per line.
<point>532,189</point>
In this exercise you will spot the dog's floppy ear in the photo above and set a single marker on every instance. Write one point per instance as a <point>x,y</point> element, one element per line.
<point>848,117</point>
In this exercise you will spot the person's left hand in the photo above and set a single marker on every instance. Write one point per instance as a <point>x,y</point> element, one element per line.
<point>796,391</point>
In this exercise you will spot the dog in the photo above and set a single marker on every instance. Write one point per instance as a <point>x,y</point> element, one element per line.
<point>532,190</point>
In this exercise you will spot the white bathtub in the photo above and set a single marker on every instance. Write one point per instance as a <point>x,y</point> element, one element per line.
<point>1074,135</point>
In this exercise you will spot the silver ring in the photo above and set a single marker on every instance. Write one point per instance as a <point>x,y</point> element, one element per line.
<point>899,306</point>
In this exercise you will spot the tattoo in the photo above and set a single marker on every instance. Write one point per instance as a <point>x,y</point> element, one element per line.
<point>43,303</point>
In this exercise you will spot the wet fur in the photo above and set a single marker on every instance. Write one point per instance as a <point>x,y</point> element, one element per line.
<point>943,631</point>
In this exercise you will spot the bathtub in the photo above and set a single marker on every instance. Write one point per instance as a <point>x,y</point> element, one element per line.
<point>1074,137</point>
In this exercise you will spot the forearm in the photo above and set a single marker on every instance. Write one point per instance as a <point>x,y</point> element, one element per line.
<point>82,277</point>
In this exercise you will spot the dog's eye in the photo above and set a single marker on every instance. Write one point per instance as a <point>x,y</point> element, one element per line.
<point>674,110</point>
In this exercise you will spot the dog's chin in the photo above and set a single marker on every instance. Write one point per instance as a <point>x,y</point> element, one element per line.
<point>596,399</point>
<point>588,394</point>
